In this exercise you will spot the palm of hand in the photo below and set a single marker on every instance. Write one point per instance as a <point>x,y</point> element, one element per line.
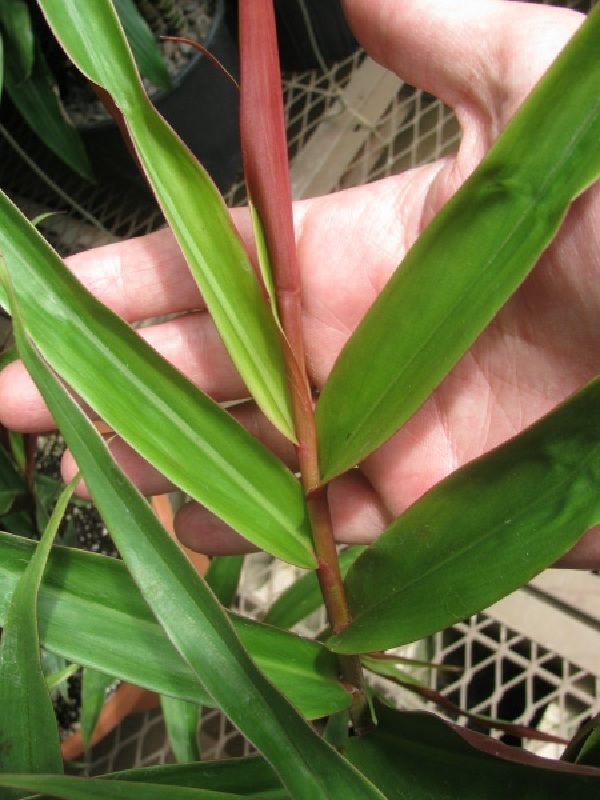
<point>542,346</point>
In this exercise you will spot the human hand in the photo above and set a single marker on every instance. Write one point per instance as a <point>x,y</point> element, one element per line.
<point>481,57</point>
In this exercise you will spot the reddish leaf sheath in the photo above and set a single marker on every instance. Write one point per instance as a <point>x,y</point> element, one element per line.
<point>264,152</point>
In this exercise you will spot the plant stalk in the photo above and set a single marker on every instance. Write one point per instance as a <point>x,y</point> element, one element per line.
<point>264,151</point>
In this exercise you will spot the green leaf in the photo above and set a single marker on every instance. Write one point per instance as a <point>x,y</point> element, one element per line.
<point>93,696</point>
<point>411,756</point>
<point>190,614</point>
<point>7,357</point>
<point>40,218</point>
<point>16,21</point>
<point>143,44</point>
<point>584,747</point>
<point>18,522</point>
<point>90,33</point>
<point>28,732</point>
<point>17,444</point>
<point>182,719</point>
<point>589,752</point>
<point>417,756</point>
<point>11,483</point>
<point>223,577</point>
<point>57,681</point>
<point>126,641</point>
<point>388,669</point>
<point>1,63</point>
<point>480,533</point>
<point>71,788</point>
<point>196,444</point>
<point>251,777</point>
<point>304,595</point>
<point>337,729</point>
<point>264,260</point>
<point>46,491</point>
<point>469,260</point>
<point>37,100</point>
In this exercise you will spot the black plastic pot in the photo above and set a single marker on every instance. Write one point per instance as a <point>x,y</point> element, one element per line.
<point>332,35</point>
<point>202,106</point>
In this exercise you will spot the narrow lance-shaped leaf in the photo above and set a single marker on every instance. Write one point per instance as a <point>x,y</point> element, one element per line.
<point>152,406</point>
<point>11,483</point>
<point>93,695</point>
<point>16,21</point>
<point>468,261</point>
<point>182,719</point>
<point>412,756</point>
<point>337,729</point>
<point>28,731</point>
<point>480,533</point>
<point>1,63</point>
<point>58,680</point>
<point>72,788</point>
<point>223,577</point>
<point>7,357</point>
<point>90,33</point>
<point>251,776</point>
<point>143,44</point>
<point>190,614</point>
<point>304,596</point>
<point>264,262</point>
<point>126,641</point>
<point>18,443</point>
<point>584,747</point>
<point>37,100</point>
<point>419,756</point>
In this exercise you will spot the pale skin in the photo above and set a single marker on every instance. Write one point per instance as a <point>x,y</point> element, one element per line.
<point>481,57</point>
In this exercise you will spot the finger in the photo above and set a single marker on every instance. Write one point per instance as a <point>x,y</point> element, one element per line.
<point>148,479</point>
<point>358,515</point>
<point>585,554</point>
<point>191,343</point>
<point>21,406</point>
<point>147,276</point>
<point>151,482</point>
<point>200,530</point>
<point>473,54</point>
<point>140,278</point>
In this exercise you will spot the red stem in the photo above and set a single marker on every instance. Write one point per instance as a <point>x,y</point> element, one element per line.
<point>264,151</point>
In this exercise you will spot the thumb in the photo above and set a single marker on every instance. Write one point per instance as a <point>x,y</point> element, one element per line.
<point>478,56</point>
